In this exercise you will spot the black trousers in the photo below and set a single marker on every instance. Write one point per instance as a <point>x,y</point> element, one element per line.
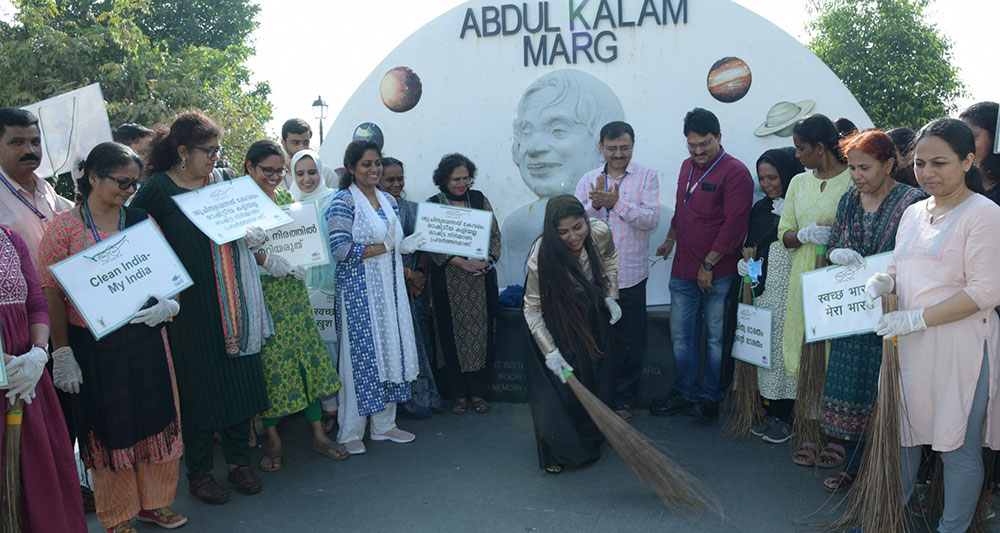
<point>630,341</point>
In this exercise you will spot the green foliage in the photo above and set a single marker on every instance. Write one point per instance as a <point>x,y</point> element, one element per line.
<point>898,65</point>
<point>59,45</point>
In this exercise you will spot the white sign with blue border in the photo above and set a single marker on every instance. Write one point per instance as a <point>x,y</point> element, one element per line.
<point>453,230</point>
<point>223,211</point>
<point>833,299</point>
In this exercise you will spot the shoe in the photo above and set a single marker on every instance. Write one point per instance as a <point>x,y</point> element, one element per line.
<point>208,490</point>
<point>162,517</point>
<point>355,447</point>
<point>124,527</point>
<point>395,435</point>
<point>707,409</point>
<point>761,427</point>
<point>672,405</point>
<point>779,432</point>
<point>245,480</point>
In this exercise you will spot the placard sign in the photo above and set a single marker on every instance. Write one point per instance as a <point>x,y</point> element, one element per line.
<point>301,241</point>
<point>324,308</point>
<point>224,210</point>
<point>753,335</point>
<point>833,299</point>
<point>111,280</point>
<point>455,230</point>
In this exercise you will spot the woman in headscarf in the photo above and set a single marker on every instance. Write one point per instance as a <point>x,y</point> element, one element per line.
<point>424,400</point>
<point>569,305</point>
<point>308,185</point>
<point>297,368</point>
<point>122,388</point>
<point>465,295</point>
<point>775,170</point>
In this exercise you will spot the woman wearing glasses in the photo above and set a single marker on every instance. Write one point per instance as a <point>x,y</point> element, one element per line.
<point>122,389</point>
<point>216,348</point>
<point>297,368</point>
<point>464,294</point>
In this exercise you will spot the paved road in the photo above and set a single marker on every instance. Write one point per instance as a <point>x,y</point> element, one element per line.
<point>476,473</point>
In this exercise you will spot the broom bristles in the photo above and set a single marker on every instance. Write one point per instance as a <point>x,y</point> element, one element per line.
<point>10,501</point>
<point>673,484</point>
<point>744,407</point>
<point>875,500</point>
<point>811,381</point>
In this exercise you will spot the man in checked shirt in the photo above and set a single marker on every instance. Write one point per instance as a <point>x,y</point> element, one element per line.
<point>625,195</point>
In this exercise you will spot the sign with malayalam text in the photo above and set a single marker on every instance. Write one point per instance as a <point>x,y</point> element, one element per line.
<point>111,280</point>
<point>324,310</point>
<point>455,230</point>
<point>752,343</point>
<point>301,241</point>
<point>833,299</point>
<point>223,211</point>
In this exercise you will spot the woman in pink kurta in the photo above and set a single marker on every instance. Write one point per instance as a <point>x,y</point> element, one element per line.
<point>944,271</point>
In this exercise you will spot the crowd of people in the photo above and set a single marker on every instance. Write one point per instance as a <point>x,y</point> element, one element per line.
<point>242,344</point>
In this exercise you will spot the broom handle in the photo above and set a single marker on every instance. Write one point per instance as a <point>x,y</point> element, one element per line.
<point>747,292</point>
<point>820,255</point>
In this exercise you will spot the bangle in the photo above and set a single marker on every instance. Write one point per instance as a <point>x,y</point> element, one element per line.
<point>43,345</point>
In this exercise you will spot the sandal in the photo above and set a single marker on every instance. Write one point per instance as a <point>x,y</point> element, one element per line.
<point>124,527</point>
<point>480,406</point>
<point>339,453</point>
<point>624,412</point>
<point>162,517</point>
<point>838,483</point>
<point>460,407</point>
<point>806,454</point>
<point>833,456</point>
<point>553,469</point>
<point>271,462</point>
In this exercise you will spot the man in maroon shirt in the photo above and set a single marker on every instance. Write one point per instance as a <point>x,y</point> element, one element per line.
<point>714,194</point>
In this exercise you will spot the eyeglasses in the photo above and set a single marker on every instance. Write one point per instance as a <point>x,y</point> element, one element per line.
<point>703,144</point>
<point>210,151</point>
<point>124,184</point>
<point>268,171</point>
<point>465,180</point>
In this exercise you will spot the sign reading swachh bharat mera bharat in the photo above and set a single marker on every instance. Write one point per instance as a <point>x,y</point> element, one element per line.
<point>111,280</point>
<point>455,230</point>
<point>833,299</point>
<point>223,211</point>
<point>301,241</point>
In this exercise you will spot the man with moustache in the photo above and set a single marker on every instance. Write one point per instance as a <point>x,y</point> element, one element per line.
<point>625,195</point>
<point>296,135</point>
<point>712,211</point>
<point>27,203</point>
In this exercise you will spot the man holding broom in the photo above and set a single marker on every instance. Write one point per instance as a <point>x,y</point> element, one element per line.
<point>712,211</point>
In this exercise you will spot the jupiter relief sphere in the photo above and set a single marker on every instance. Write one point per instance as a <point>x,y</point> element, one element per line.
<point>400,89</point>
<point>729,79</point>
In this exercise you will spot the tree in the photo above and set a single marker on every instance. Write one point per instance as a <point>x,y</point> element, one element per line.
<point>897,64</point>
<point>59,45</point>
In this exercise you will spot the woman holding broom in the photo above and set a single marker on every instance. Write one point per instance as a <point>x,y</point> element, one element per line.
<point>810,207</point>
<point>46,490</point>
<point>944,272</point>
<point>569,305</point>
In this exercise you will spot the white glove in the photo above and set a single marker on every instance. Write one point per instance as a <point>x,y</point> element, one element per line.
<point>24,372</point>
<point>616,311</point>
<point>814,234</point>
<point>412,243</point>
<point>156,314</point>
<point>898,323</point>
<point>742,268</point>
<point>847,257</point>
<point>877,285</point>
<point>554,360</point>
<point>277,266</point>
<point>66,373</point>
<point>299,273</point>
<point>255,237</point>
<point>777,206</point>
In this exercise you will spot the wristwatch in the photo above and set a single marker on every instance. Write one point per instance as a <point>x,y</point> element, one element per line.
<point>707,266</point>
<point>43,345</point>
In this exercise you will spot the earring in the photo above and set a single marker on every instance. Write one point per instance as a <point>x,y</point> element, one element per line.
<point>184,163</point>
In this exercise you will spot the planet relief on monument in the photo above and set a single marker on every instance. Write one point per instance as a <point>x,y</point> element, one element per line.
<point>523,89</point>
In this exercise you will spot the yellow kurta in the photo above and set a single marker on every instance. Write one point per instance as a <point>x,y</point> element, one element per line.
<point>806,202</point>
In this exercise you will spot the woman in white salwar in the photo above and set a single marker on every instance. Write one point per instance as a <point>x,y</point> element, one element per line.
<point>378,353</point>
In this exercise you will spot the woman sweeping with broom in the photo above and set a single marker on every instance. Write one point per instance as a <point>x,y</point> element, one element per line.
<point>40,491</point>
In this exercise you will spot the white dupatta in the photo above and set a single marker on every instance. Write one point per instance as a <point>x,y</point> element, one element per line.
<point>388,304</point>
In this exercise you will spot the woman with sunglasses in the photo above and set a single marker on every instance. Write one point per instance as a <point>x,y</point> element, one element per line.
<point>122,387</point>
<point>216,348</point>
<point>297,368</point>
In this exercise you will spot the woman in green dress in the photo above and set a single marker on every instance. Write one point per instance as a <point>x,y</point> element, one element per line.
<point>297,368</point>
<point>216,352</point>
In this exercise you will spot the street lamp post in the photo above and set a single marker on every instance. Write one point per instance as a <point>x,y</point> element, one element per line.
<point>319,111</point>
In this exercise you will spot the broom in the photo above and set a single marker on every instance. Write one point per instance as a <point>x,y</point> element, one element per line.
<point>674,484</point>
<point>10,507</point>
<point>812,379</point>
<point>744,408</point>
<point>875,500</point>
